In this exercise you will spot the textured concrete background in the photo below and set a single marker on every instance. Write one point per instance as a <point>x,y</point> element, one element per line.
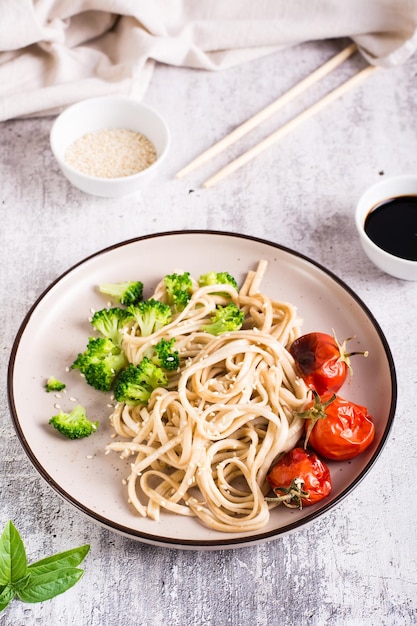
<point>356,565</point>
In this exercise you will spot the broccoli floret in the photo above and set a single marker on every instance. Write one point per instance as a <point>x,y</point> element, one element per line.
<point>135,384</point>
<point>109,323</point>
<point>179,288</point>
<point>100,363</point>
<point>129,292</point>
<point>217,278</point>
<point>151,315</point>
<point>165,356</point>
<point>225,319</point>
<point>75,424</point>
<point>53,384</point>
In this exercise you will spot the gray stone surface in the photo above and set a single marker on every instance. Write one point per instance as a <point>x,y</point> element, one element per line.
<point>356,565</point>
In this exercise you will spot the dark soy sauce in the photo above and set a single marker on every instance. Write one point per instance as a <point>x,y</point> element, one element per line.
<point>392,226</point>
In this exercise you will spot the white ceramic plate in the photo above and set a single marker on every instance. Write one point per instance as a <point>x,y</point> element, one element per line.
<point>56,329</point>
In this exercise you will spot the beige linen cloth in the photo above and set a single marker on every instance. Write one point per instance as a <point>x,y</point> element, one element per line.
<point>56,52</point>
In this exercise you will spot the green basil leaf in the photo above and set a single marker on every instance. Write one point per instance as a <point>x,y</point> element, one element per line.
<point>13,562</point>
<point>46,586</point>
<point>21,583</point>
<point>6,595</point>
<point>70,558</point>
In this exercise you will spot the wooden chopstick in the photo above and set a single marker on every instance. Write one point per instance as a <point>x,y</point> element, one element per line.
<point>284,130</point>
<point>272,108</point>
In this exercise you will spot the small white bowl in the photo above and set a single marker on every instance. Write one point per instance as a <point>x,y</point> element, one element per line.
<point>381,192</point>
<point>108,112</point>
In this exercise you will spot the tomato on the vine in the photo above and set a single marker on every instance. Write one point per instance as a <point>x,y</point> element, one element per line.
<point>299,478</point>
<point>338,429</point>
<point>322,361</point>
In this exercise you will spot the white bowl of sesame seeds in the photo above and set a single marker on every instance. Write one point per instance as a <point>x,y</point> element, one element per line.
<point>109,146</point>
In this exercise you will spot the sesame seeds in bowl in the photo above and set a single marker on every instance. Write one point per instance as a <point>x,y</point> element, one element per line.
<point>111,153</point>
<point>109,146</point>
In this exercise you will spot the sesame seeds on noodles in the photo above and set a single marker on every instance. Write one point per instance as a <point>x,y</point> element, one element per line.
<point>203,445</point>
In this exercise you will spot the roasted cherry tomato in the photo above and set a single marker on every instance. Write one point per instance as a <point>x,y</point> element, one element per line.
<point>299,478</point>
<point>322,361</point>
<point>338,429</point>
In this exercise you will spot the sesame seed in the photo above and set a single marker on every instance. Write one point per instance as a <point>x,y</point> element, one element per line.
<point>111,153</point>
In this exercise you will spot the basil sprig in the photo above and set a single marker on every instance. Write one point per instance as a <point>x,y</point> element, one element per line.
<point>38,581</point>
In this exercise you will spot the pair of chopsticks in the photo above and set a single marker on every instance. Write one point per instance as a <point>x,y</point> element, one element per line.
<point>272,108</point>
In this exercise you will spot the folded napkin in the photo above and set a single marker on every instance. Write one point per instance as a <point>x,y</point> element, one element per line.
<point>56,52</point>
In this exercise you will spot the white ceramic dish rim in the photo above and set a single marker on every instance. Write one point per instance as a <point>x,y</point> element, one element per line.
<point>221,543</point>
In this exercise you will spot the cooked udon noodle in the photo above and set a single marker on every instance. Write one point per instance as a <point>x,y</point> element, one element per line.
<point>202,447</point>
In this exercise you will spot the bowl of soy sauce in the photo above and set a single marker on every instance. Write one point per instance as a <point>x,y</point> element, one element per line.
<point>386,220</point>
